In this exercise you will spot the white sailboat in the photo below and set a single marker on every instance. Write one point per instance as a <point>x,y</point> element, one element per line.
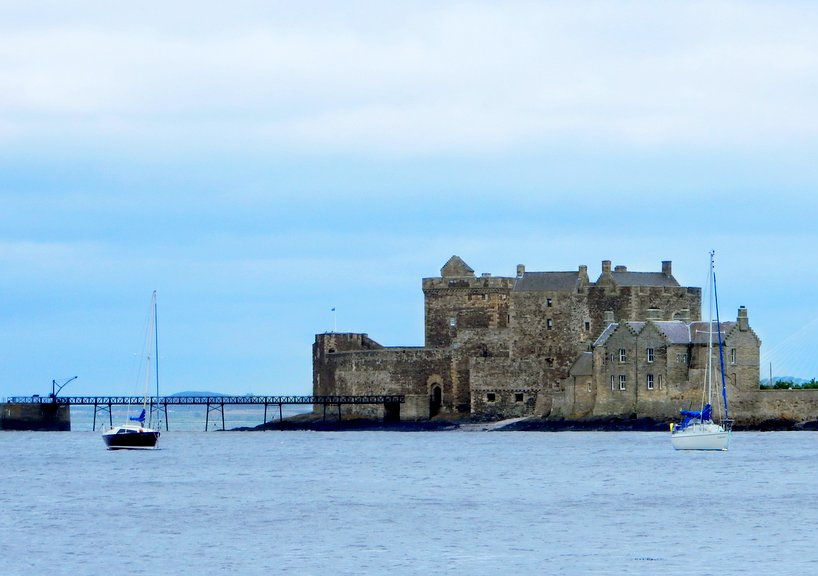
<point>698,430</point>
<point>133,434</point>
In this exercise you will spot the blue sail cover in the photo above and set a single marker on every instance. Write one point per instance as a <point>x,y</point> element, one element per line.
<point>140,418</point>
<point>703,416</point>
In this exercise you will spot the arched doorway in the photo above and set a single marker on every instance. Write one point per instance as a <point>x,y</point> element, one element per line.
<point>435,400</point>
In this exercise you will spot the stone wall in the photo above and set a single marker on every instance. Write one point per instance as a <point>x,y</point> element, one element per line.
<point>466,303</point>
<point>46,417</point>
<point>505,387</point>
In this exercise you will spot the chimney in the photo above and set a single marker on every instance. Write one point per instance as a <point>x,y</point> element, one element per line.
<point>520,270</point>
<point>653,314</point>
<point>606,267</point>
<point>743,320</point>
<point>666,268</point>
<point>621,269</point>
<point>608,317</point>
<point>583,274</point>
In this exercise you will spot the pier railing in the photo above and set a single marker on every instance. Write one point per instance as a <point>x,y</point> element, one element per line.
<point>213,403</point>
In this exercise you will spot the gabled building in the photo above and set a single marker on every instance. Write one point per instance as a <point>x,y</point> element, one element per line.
<point>654,368</point>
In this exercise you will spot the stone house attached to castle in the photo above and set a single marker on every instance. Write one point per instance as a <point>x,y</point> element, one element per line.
<point>654,368</point>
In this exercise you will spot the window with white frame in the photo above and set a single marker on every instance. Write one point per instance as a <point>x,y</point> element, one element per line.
<point>622,379</point>
<point>732,355</point>
<point>649,380</point>
<point>650,355</point>
<point>623,357</point>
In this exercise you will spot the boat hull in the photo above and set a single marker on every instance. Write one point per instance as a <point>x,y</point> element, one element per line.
<point>701,437</point>
<point>125,438</point>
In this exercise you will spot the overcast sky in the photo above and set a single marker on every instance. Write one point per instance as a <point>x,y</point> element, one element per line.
<point>259,164</point>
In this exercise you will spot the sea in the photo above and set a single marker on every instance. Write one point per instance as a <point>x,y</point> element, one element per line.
<point>372,503</point>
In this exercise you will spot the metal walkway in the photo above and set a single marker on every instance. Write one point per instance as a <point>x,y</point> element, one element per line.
<point>213,403</point>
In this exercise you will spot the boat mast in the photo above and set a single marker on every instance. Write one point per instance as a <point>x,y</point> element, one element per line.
<point>721,351</point>
<point>156,345</point>
<point>151,319</point>
<point>709,379</point>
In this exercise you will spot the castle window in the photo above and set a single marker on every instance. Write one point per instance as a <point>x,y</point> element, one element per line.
<point>732,355</point>
<point>660,382</point>
<point>549,324</point>
<point>518,397</point>
<point>681,358</point>
<point>650,381</point>
<point>623,357</point>
<point>649,354</point>
<point>612,383</point>
<point>622,379</point>
<point>549,302</point>
<point>587,326</point>
<point>589,385</point>
<point>453,322</point>
<point>491,397</point>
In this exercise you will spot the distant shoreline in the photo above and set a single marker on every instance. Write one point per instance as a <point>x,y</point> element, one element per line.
<point>312,422</point>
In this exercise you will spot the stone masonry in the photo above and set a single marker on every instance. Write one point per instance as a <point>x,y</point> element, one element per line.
<point>554,344</point>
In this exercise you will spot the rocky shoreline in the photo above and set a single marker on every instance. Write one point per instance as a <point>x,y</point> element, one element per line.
<point>532,424</point>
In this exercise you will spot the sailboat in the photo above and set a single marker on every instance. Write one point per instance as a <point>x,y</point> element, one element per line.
<point>698,430</point>
<point>133,434</point>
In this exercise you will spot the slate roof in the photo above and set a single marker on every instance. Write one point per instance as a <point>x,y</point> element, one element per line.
<point>643,279</point>
<point>676,331</point>
<point>547,281</point>
<point>699,331</point>
<point>606,334</point>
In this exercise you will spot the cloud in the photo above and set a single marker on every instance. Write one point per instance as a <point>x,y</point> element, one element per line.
<point>451,77</point>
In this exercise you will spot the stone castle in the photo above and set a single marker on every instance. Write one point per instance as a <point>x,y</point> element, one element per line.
<point>554,344</point>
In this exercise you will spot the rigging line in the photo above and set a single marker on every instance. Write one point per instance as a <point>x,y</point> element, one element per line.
<point>796,334</point>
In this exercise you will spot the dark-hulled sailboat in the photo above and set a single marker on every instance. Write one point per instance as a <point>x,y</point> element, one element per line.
<point>134,435</point>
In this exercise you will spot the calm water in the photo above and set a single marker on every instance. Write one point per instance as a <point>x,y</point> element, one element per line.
<point>407,503</point>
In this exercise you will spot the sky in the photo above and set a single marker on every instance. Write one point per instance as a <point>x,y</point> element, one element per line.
<point>261,163</point>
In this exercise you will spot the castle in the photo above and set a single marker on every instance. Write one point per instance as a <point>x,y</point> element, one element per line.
<point>554,344</point>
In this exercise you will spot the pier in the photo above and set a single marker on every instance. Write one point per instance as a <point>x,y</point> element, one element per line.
<point>216,404</point>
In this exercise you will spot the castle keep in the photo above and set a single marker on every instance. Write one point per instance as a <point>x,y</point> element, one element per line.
<point>555,344</point>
